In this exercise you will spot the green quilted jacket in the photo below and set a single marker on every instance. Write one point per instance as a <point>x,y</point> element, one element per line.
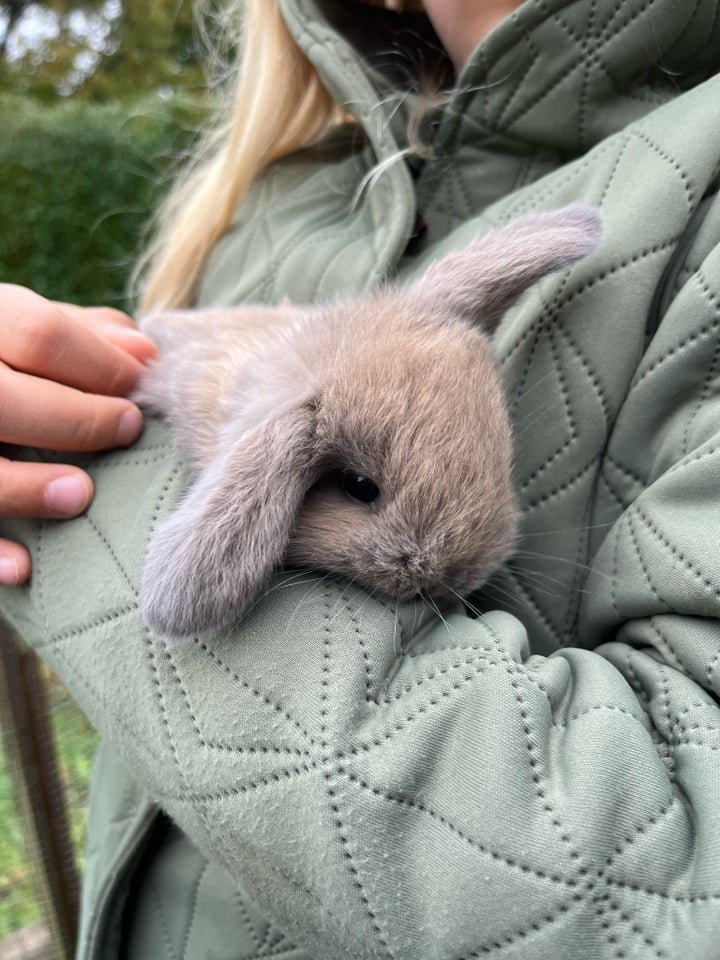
<point>344,779</point>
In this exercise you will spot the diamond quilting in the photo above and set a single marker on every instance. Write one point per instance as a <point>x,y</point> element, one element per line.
<point>183,903</point>
<point>394,785</point>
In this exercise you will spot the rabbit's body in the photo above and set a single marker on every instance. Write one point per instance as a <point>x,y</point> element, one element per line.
<point>367,438</point>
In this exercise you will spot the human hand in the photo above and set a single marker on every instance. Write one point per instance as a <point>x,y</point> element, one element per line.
<point>64,374</point>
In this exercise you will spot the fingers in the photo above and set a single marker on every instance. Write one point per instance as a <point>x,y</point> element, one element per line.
<point>131,341</point>
<point>97,352</point>
<point>97,316</point>
<point>42,413</point>
<point>14,563</point>
<point>63,372</point>
<point>49,491</point>
<point>114,326</point>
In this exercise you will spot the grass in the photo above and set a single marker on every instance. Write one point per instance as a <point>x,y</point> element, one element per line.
<point>75,744</point>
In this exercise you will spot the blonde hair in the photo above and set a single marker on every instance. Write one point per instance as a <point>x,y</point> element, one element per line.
<point>278,105</point>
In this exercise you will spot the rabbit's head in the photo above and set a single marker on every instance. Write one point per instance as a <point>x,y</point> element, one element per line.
<point>411,488</point>
<point>368,438</point>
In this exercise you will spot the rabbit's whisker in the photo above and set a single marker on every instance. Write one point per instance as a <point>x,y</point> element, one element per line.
<point>436,610</point>
<point>345,605</point>
<point>525,393</point>
<point>288,582</point>
<point>536,580</point>
<point>498,591</point>
<point>397,647</point>
<point>474,610</point>
<point>551,532</point>
<point>534,555</point>
<point>307,596</point>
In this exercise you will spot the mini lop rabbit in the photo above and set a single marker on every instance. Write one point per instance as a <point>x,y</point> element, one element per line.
<point>367,437</point>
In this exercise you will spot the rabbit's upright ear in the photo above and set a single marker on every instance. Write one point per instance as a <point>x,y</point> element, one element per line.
<point>483,280</point>
<point>207,561</point>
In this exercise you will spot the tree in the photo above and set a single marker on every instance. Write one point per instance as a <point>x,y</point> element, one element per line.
<point>10,13</point>
<point>99,49</point>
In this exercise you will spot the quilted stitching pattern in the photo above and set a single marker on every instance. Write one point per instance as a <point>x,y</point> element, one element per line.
<point>182,899</point>
<point>391,785</point>
<point>582,394</point>
<point>114,831</point>
<point>275,260</point>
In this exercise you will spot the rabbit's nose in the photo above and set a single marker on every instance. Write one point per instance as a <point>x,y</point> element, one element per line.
<point>412,564</point>
<point>414,571</point>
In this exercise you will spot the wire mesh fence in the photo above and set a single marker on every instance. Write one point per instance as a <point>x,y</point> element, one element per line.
<point>46,753</point>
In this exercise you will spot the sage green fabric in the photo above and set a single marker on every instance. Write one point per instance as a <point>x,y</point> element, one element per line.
<point>542,780</point>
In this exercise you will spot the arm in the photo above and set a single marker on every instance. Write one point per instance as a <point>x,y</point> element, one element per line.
<point>389,785</point>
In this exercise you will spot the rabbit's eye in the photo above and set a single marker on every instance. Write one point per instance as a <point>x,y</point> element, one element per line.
<point>359,487</point>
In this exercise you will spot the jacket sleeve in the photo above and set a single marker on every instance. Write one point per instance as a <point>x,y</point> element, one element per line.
<point>391,785</point>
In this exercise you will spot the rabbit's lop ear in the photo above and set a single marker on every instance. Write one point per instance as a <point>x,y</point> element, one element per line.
<point>206,562</point>
<point>483,280</point>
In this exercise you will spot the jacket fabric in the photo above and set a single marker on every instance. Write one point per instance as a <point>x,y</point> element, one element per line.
<point>542,779</point>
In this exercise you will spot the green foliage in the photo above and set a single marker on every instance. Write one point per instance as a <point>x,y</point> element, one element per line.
<point>77,184</point>
<point>149,45</point>
<point>102,49</point>
<point>17,904</point>
<point>76,742</point>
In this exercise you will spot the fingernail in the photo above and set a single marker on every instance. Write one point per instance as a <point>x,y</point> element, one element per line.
<point>127,333</point>
<point>67,496</point>
<point>130,427</point>
<point>131,333</point>
<point>9,572</point>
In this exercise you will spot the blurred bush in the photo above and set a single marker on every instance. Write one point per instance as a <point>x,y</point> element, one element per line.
<point>78,182</point>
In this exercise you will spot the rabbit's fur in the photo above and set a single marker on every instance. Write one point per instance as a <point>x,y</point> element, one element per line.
<point>271,406</point>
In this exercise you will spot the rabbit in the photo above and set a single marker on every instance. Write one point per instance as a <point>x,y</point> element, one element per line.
<point>367,437</point>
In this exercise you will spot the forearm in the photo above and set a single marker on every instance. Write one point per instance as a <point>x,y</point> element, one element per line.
<point>385,783</point>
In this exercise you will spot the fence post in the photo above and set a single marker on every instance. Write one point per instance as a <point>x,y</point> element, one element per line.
<point>39,794</point>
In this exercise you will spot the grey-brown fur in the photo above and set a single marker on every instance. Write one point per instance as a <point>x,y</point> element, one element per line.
<point>399,386</point>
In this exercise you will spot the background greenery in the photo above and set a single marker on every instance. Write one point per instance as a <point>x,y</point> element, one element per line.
<point>102,49</point>
<point>76,742</point>
<point>77,182</point>
<point>99,101</point>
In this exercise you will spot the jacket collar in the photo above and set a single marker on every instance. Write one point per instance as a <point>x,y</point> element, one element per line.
<point>558,75</point>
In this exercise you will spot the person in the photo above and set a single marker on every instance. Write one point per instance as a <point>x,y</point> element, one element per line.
<point>536,775</point>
